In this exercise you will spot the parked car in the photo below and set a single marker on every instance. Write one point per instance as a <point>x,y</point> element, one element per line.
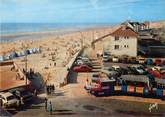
<point>106,58</point>
<point>22,92</point>
<point>115,59</point>
<point>140,69</point>
<point>122,71</point>
<point>81,62</point>
<point>158,62</point>
<point>141,60</point>
<point>132,70</point>
<point>82,68</point>
<point>83,58</point>
<point>109,68</point>
<point>115,67</point>
<point>8,99</point>
<point>95,77</point>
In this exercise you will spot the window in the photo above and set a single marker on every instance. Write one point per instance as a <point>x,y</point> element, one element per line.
<point>125,46</point>
<point>116,38</point>
<point>126,37</point>
<point>116,47</point>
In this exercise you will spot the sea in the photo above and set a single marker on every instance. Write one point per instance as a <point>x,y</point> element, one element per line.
<point>28,31</point>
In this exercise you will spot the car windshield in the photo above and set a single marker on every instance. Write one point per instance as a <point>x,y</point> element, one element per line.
<point>10,97</point>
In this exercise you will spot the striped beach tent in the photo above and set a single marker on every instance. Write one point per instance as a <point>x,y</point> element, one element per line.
<point>13,54</point>
<point>30,51</point>
<point>18,54</point>
<point>2,58</point>
<point>34,50</point>
<point>7,57</point>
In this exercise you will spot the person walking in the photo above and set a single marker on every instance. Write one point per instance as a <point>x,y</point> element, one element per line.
<point>22,103</point>
<point>50,108</point>
<point>47,89</point>
<point>35,92</point>
<point>46,103</point>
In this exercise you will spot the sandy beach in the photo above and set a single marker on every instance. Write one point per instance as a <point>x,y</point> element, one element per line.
<point>56,51</point>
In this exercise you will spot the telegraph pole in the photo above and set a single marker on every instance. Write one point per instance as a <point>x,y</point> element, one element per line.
<point>26,67</point>
<point>25,59</point>
<point>81,39</point>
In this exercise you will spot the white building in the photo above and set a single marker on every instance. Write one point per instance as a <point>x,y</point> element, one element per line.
<point>124,42</point>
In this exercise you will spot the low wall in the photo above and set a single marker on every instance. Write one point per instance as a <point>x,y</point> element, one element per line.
<point>17,69</point>
<point>6,63</point>
<point>65,73</point>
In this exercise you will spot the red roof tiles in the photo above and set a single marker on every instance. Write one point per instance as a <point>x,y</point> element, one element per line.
<point>124,31</point>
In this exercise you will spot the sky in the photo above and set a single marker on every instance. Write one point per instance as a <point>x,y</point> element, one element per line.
<point>81,11</point>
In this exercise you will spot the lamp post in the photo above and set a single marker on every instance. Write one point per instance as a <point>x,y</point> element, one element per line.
<point>25,59</point>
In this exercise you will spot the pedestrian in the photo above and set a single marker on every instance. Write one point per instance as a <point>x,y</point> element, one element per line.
<point>53,87</point>
<point>50,88</point>
<point>50,108</point>
<point>47,89</point>
<point>46,103</point>
<point>21,103</point>
<point>1,103</point>
<point>35,92</point>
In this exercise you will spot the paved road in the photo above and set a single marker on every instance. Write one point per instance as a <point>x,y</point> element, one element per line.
<point>73,101</point>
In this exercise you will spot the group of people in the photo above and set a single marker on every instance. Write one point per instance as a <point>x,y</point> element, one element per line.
<point>50,89</point>
<point>48,106</point>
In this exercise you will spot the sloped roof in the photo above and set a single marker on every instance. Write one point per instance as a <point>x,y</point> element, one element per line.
<point>135,78</point>
<point>125,32</point>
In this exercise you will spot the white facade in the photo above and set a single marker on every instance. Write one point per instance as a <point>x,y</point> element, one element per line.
<point>124,46</point>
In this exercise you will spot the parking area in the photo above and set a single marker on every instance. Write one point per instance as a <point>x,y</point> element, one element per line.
<point>120,76</point>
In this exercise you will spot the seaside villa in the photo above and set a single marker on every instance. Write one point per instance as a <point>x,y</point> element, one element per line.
<point>123,41</point>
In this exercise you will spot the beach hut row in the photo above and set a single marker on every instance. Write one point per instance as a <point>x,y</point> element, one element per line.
<point>15,54</point>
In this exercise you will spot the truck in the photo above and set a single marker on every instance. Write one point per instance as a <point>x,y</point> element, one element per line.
<point>103,87</point>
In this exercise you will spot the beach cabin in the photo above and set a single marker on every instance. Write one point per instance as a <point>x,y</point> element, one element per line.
<point>18,54</point>
<point>30,51</point>
<point>38,50</point>
<point>160,87</point>
<point>7,57</point>
<point>135,84</point>
<point>2,58</point>
<point>34,50</point>
<point>22,53</point>
<point>13,54</point>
